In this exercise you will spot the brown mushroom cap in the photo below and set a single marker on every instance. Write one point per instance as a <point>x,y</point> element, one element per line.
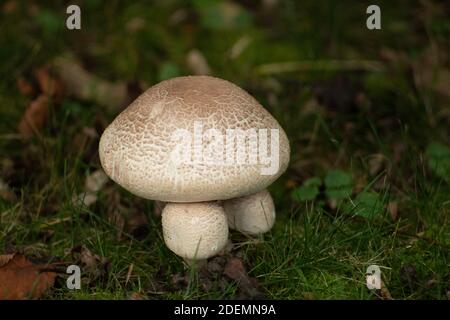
<point>136,148</point>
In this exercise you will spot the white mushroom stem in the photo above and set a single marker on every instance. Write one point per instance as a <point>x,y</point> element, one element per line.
<point>253,214</point>
<point>194,231</point>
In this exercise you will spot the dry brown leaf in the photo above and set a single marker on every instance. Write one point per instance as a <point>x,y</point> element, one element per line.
<point>135,296</point>
<point>137,225</point>
<point>9,7</point>
<point>34,117</point>
<point>430,74</point>
<point>5,258</point>
<point>135,24</point>
<point>376,163</point>
<point>384,291</point>
<point>234,269</point>
<point>291,184</point>
<point>6,193</point>
<point>117,219</point>
<point>24,86</point>
<point>248,287</point>
<point>20,279</point>
<point>49,83</point>
<point>86,86</point>
<point>393,210</point>
<point>92,264</point>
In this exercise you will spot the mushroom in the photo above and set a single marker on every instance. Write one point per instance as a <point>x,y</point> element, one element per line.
<point>190,142</point>
<point>253,214</point>
<point>195,231</point>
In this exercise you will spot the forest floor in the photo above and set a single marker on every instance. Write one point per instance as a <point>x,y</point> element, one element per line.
<point>367,114</point>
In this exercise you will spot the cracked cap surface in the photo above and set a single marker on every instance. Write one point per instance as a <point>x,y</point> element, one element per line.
<point>136,149</point>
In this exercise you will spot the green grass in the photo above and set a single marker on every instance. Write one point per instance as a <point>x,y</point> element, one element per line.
<point>316,250</point>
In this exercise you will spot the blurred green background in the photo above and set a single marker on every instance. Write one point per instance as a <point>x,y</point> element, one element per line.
<point>366,111</point>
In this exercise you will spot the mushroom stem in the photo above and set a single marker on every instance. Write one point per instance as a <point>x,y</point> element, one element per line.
<point>194,231</point>
<point>253,214</point>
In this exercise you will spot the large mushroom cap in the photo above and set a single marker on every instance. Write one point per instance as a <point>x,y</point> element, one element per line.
<point>137,149</point>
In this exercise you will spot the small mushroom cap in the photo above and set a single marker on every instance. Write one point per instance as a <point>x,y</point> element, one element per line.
<point>136,150</point>
<point>195,231</point>
<point>254,214</point>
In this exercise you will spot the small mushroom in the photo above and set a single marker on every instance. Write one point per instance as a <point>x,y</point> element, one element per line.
<point>212,121</point>
<point>195,231</point>
<point>253,214</point>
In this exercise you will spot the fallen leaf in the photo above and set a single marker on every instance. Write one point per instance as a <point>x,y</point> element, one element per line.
<point>24,86</point>
<point>234,269</point>
<point>430,74</point>
<point>86,86</point>
<point>135,296</point>
<point>5,258</point>
<point>135,24</point>
<point>93,265</point>
<point>9,7</point>
<point>216,265</point>
<point>49,83</point>
<point>248,287</point>
<point>7,168</point>
<point>34,117</point>
<point>137,225</point>
<point>393,210</point>
<point>291,184</point>
<point>180,281</point>
<point>376,163</point>
<point>20,279</point>
<point>431,283</point>
<point>384,292</point>
<point>6,193</point>
<point>117,219</point>
<point>178,16</point>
